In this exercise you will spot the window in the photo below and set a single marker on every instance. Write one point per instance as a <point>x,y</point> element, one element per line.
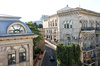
<point>51,37</point>
<point>82,24</point>
<point>67,24</point>
<point>16,28</point>
<point>93,40</point>
<point>51,23</point>
<point>91,24</point>
<point>86,24</point>
<point>55,22</point>
<point>47,36</point>
<point>64,24</point>
<point>86,41</point>
<point>22,55</point>
<point>97,40</point>
<point>68,41</point>
<point>51,31</point>
<point>83,42</point>
<point>70,24</point>
<point>11,57</point>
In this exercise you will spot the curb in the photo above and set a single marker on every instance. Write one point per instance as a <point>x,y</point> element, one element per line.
<point>42,58</point>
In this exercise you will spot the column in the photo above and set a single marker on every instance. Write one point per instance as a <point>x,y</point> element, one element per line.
<point>31,54</point>
<point>17,57</point>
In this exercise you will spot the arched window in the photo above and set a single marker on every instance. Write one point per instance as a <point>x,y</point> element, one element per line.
<point>64,24</point>
<point>86,41</point>
<point>22,54</point>
<point>16,28</point>
<point>68,40</point>
<point>11,57</point>
<point>86,24</point>
<point>91,24</point>
<point>55,22</point>
<point>70,23</point>
<point>67,24</point>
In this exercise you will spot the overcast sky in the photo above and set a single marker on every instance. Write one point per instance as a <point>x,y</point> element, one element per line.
<point>31,10</point>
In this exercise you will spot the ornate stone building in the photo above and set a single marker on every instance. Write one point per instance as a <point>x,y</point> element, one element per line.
<point>16,42</point>
<point>76,26</point>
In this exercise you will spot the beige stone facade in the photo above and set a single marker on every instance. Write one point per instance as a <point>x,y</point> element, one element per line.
<point>15,43</point>
<point>76,26</point>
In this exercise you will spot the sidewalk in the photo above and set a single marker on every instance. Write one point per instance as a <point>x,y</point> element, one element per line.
<point>37,63</point>
<point>38,60</point>
<point>51,44</point>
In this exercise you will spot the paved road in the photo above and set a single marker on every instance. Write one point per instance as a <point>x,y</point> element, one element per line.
<point>49,51</point>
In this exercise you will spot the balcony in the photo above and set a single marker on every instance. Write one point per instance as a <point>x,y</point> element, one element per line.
<point>97,28</point>
<point>89,60</point>
<point>88,48</point>
<point>87,28</point>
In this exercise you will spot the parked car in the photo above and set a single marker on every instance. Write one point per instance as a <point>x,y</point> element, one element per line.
<point>51,58</point>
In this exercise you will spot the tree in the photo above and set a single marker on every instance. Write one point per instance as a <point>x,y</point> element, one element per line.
<point>34,30</point>
<point>68,55</point>
<point>40,26</point>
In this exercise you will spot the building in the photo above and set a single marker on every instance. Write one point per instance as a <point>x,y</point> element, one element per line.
<point>40,22</point>
<point>16,42</point>
<point>41,43</point>
<point>76,26</point>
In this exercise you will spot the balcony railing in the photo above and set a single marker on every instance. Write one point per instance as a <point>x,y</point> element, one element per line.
<point>87,28</point>
<point>97,28</point>
<point>89,60</point>
<point>88,48</point>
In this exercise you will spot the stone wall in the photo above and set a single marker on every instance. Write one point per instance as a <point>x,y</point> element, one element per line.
<point>16,43</point>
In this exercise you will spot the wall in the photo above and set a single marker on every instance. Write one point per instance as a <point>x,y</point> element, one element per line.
<point>41,43</point>
<point>15,43</point>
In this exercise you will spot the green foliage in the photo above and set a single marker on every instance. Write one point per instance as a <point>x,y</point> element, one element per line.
<point>37,51</point>
<point>34,29</point>
<point>68,55</point>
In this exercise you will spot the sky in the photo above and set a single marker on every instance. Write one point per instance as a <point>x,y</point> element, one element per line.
<point>32,10</point>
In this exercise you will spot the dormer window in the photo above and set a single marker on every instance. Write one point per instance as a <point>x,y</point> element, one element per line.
<point>16,28</point>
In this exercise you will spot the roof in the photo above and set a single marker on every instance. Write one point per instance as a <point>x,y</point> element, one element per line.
<point>78,8</point>
<point>67,9</point>
<point>5,23</point>
<point>50,16</point>
<point>9,16</point>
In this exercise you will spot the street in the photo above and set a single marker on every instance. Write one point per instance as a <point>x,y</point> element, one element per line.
<point>49,52</point>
